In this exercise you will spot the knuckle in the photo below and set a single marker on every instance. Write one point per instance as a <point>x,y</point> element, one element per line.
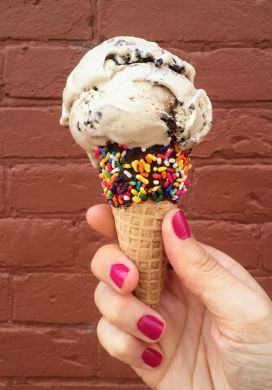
<point>101,331</point>
<point>118,306</point>
<point>262,313</point>
<point>99,327</point>
<point>116,343</point>
<point>121,348</point>
<point>108,248</point>
<point>202,264</point>
<point>98,293</point>
<point>100,254</point>
<point>206,264</point>
<point>113,312</point>
<point>93,265</point>
<point>105,249</point>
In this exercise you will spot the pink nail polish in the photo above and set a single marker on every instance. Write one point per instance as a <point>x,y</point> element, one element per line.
<point>150,326</point>
<point>118,273</point>
<point>151,357</point>
<point>180,225</point>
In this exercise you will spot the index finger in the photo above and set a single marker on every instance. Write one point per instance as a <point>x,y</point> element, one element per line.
<point>100,218</point>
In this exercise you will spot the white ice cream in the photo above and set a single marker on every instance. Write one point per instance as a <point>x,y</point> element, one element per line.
<point>130,91</point>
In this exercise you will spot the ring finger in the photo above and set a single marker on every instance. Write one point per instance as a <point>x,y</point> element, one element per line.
<point>127,348</point>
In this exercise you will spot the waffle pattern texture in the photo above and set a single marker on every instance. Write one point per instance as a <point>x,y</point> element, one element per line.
<point>140,238</point>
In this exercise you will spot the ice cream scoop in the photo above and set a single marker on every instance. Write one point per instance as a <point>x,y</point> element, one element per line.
<point>130,91</point>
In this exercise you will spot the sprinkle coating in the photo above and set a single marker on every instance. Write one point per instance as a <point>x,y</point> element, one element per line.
<point>133,176</point>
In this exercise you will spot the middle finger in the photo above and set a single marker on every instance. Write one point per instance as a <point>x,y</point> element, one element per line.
<point>129,314</point>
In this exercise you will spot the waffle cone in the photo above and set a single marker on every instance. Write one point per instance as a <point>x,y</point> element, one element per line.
<point>140,238</point>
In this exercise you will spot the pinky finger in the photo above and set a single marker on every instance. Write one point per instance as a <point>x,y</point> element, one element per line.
<point>127,348</point>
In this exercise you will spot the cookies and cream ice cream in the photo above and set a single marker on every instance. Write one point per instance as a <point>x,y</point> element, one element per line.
<point>129,91</point>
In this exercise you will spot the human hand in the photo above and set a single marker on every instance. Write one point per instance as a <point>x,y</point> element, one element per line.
<point>213,329</point>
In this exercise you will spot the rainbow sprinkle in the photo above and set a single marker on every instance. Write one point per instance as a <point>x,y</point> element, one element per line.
<point>133,175</point>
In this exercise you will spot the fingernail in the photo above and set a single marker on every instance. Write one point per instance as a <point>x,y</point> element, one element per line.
<point>180,225</point>
<point>118,274</point>
<point>150,326</point>
<point>151,357</point>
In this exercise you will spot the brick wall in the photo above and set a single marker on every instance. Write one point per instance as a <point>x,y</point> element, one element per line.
<point>47,317</point>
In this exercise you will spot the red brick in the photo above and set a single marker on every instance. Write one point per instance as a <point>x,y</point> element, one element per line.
<point>173,20</point>
<point>112,368</point>
<point>35,132</point>
<point>241,132</point>
<point>233,74</point>
<point>38,352</point>
<point>2,190</point>
<point>266,284</point>
<point>53,188</point>
<point>54,298</point>
<point>45,20</point>
<point>89,242</point>
<point>5,298</point>
<point>36,243</point>
<point>243,193</point>
<point>1,66</point>
<point>267,246</point>
<point>237,240</point>
<point>39,72</point>
<point>74,385</point>
<point>3,386</point>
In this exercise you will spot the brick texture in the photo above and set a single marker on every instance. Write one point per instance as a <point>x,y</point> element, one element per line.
<point>1,67</point>
<point>53,188</point>
<point>5,294</point>
<point>25,20</point>
<point>244,193</point>
<point>110,368</point>
<point>42,136</point>
<point>238,133</point>
<point>42,72</point>
<point>47,313</point>
<point>176,20</point>
<point>233,74</point>
<point>47,352</point>
<point>237,240</point>
<point>42,243</point>
<point>55,298</point>
<point>2,189</point>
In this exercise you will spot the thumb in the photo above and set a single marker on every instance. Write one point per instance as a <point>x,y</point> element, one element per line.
<point>220,291</point>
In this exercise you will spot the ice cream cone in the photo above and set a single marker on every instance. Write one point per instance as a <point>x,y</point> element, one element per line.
<point>140,238</point>
<point>133,107</point>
